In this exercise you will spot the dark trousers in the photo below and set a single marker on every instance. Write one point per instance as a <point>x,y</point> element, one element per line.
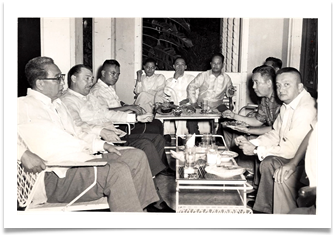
<point>154,127</point>
<point>153,146</point>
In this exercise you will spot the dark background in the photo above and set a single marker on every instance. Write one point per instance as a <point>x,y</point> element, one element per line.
<point>29,46</point>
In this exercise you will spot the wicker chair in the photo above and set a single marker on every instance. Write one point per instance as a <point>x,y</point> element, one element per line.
<point>27,184</point>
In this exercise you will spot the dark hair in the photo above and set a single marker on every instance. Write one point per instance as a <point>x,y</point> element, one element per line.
<point>219,55</point>
<point>110,62</point>
<point>74,71</point>
<point>290,70</point>
<point>150,60</point>
<point>275,62</point>
<point>267,72</point>
<point>35,69</point>
<point>179,57</point>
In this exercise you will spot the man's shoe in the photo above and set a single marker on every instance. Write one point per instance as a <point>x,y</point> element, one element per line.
<point>250,204</point>
<point>165,208</point>
<point>168,172</point>
<point>252,195</point>
<point>249,175</point>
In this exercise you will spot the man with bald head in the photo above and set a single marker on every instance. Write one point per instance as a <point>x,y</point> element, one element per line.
<point>277,147</point>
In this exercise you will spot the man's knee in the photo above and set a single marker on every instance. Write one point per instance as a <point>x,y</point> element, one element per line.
<point>140,155</point>
<point>269,163</point>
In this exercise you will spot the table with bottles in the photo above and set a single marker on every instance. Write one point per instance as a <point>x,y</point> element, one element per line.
<point>193,181</point>
<point>214,116</point>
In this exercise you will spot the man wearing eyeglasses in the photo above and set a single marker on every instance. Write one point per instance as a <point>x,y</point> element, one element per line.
<point>47,130</point>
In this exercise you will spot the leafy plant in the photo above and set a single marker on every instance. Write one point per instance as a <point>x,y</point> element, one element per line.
<point>195,39</point>
<point>164,38</point>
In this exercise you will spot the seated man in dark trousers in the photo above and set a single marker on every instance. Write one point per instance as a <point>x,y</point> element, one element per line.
<point>103,90</point>
<point>47,133</point>
<point>212,86</point>
<point>87,113</point>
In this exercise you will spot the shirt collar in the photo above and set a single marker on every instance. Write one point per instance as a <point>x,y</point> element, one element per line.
<point>211,73</point>
<point>294,103</point>
<point>102,83</point>
<point>271,98</point>
<point>76,93</point>
<point>41,97</point>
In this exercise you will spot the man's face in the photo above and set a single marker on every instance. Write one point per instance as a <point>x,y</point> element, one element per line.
<point>53,88</point>
<point>149,68</point>
<point>83,81</point>
<point>216,64</point>
<point>288,87</point>
<point>110,74</point>
<point>261,86</point>
<point>180,66</point>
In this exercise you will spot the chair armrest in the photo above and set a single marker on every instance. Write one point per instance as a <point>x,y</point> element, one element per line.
<point>307,196</point>
<point>26,181</point>
<point>307,191</point>
<point>124,123</point>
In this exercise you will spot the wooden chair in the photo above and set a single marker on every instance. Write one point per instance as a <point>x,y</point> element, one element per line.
<point>27,184</point>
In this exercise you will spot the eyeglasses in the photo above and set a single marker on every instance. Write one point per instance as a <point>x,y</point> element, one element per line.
<point>113,74</point>
<point>58,78</point>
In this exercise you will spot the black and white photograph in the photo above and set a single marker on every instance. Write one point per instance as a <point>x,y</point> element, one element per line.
<point>168,115</point>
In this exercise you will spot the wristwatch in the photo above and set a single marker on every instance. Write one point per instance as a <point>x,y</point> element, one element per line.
<point>255,150</point>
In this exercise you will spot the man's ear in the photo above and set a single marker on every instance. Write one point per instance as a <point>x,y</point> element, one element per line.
<point>174,67</point>
<point>103,73</point>
<point>73,78</point>
<point>300,87</point>
<point>185,66</point>
<point>39,84</point>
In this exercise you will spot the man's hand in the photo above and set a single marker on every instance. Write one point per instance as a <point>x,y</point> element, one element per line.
<point>195,105</point>
<point>240,129</point>
<point>145,117</point>
<point>240,139</point>
<point>245,145</point>
<point>228,114</point>
<point>111,149</point>
<point>139,75</point>
<point>32,163</point>
<point>283,173</point>
<point>109,135</point>
<point>135,108</point>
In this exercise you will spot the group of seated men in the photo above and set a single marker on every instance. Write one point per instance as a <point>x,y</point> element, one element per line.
<point>82,123</point>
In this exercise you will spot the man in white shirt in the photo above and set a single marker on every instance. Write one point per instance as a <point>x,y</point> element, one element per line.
<point>212,85</point>
<point>278,146</point>
<point>104,91</point>
<point>87,113</point>
<point>46,130</point>
<point>149,86</point>
<point>176,86</point>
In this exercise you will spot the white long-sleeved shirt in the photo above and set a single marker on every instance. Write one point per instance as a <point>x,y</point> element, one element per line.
<point>284,140</point>
<point>150,84</point>
<point>47,130</point>
<point>106,97</point>
<point>87,113</point>
<point>210,87</point>
<point>311,158</point>
<point>179,85</point>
